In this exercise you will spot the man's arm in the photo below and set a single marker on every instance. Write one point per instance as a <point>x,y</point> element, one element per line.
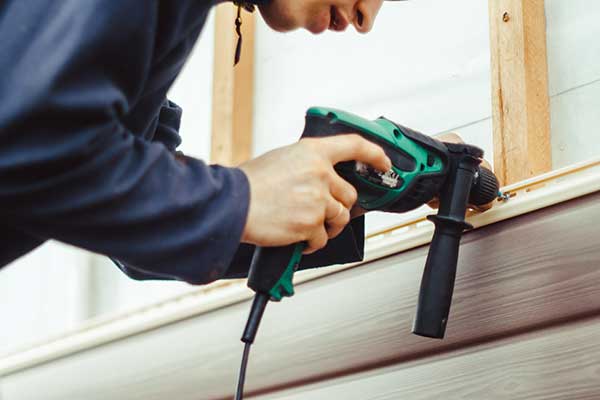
<point>71,170</point>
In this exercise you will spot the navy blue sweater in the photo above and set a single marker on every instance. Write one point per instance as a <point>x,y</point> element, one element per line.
<point>87,140</point>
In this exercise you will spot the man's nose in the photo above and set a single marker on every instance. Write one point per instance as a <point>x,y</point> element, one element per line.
<point>363,18</point>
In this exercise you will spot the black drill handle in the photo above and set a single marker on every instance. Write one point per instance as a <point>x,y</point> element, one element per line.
<point>267,266</point>
<point>437,284</point>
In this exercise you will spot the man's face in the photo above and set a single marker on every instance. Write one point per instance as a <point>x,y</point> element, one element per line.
<point>318,15</point>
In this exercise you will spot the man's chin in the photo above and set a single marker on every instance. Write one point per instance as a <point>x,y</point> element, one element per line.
<point>276,23</point>
<point>278,26</point>
<point>317,28</point>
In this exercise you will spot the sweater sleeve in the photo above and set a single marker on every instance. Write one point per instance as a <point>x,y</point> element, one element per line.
<point>72,171</point>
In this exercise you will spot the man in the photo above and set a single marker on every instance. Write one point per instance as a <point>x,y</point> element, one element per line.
<point>88,138</point>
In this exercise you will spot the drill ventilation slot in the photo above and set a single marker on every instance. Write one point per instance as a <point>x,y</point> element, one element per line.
<point>389,178</point>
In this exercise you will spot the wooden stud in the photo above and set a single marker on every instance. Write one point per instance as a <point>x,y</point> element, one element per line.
<point>521,105</point>
<point>231,139</point>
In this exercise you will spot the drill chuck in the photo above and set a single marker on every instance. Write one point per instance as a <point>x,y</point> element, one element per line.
<point>485,187</point>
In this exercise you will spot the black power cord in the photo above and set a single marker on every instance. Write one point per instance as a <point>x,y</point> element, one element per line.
<point>239,394</point>
<point>256,312</point>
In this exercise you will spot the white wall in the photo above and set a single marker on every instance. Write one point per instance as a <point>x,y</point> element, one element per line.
<point>574,78</point>
<point>424,65</point>
<point>43,294</point>
<point>193,92</point>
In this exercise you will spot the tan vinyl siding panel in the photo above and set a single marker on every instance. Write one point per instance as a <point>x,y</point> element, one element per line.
<point>558,363</point>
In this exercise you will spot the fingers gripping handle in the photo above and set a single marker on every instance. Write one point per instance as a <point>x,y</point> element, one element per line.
<point>437,284</point>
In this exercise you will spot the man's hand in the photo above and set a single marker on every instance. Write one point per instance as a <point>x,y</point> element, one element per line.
<point>296,195</point>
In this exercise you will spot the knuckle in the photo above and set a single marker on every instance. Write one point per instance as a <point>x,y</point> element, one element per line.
<point>317,170</point>
<point>321,241</point>
<point>332,232</point>
<point>313,219</point>
<point>322,172</point>
<point>352,195</point>
<point>345,217</point>
<point>340,222</point>
<point>348,195</point>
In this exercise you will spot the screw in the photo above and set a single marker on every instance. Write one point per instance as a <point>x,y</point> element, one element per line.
<point>503,196</point>
<point>506,17</point>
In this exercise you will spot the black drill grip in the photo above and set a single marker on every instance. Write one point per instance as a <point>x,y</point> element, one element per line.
<point>437,283</point>
<point>267,266</point>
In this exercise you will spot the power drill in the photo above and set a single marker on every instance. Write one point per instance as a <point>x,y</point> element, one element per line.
<point>423,169</point>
